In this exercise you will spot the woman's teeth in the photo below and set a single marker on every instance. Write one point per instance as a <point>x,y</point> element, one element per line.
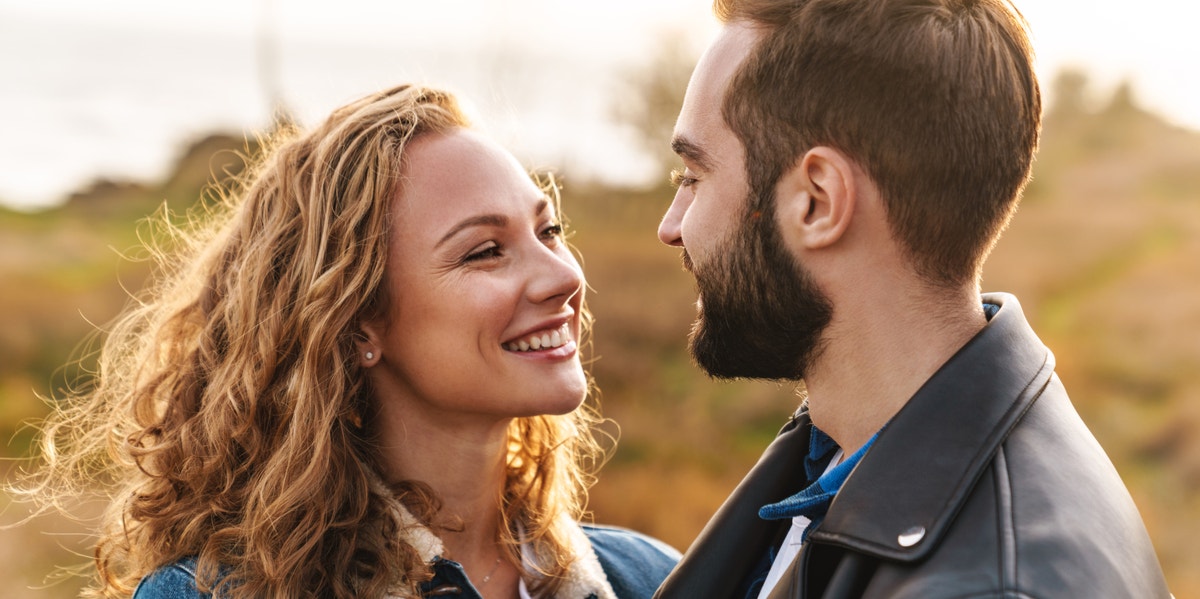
<point>542,341</point>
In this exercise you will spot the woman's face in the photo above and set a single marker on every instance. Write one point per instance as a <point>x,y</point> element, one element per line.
<point>483,320</point>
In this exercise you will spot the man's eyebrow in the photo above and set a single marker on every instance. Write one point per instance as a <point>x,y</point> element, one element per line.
<point>690,151</point>
<point>482,220</point>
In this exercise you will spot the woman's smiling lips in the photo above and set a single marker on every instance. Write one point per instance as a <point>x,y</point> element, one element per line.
<point>547,342</point>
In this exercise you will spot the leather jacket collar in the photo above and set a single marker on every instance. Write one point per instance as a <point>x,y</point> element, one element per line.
<point>971,404</point>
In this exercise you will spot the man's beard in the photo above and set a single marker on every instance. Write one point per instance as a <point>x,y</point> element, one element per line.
<point>761,315</point>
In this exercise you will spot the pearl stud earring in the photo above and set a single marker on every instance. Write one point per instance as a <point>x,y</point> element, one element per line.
<point>370,355</point>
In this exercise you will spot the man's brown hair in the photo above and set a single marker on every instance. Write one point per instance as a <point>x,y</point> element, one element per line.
<point>936,99</point>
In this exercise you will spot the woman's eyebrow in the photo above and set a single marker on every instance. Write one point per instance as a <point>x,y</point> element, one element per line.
<point>489,220</point>
<point>485,220</point>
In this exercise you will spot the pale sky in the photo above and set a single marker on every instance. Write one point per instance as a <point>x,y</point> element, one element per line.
<point>85,90</point>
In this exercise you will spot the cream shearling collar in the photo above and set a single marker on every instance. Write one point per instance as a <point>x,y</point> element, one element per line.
<point>584,578</point>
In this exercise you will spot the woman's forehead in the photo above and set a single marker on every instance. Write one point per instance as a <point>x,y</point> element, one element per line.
<point>460,174</point>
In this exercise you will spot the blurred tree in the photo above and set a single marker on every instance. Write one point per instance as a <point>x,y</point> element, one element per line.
<point>1070,89</point>
<point>270,65</point>
<point>653,95</point>
<point>1123,101</point>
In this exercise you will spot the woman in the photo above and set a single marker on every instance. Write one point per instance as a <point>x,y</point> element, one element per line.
<point>360,379</point>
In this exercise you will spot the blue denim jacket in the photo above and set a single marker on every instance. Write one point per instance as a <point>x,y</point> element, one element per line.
<point>634,564</point>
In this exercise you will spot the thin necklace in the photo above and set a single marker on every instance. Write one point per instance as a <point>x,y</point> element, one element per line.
<point>489,574</point>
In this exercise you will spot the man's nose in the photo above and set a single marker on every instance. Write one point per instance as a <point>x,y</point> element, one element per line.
<point>670,230</point>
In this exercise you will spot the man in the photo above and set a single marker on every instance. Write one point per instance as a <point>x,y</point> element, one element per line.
<point>848,166</point>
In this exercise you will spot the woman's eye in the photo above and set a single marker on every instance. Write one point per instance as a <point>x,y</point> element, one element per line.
<point>491,251</point>
<point>553,231</point>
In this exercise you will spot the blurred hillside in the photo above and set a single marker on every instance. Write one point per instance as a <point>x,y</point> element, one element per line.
<point>1103,255</point>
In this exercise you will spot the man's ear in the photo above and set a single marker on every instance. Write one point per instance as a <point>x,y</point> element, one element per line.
<point>369,341</point>
<point>815,199</point>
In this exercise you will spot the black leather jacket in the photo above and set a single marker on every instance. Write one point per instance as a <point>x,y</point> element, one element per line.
<point>986,484</point>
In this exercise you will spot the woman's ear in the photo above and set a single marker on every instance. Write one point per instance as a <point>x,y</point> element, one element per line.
<point>369,341</point>
<point>815,199</point>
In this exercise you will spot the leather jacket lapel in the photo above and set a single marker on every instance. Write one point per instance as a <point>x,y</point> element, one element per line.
<point>735,538</point>
<point>846,578</point>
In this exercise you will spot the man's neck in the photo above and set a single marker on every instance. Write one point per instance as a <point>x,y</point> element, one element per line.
<point>877,356</point>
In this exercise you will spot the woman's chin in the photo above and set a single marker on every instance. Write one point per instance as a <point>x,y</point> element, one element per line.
<point>559,404</point>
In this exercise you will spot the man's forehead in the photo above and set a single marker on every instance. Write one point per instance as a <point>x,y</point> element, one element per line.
<point>720,62</point>
<point>701,119</point>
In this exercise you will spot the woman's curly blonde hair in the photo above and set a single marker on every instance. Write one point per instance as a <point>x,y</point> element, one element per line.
<point>228,408</point>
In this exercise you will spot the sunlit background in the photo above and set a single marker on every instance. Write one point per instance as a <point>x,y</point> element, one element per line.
<point>113,88</point>
<point>110,109</point>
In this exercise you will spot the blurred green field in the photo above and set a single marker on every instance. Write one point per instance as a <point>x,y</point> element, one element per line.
<point>1104,255</point>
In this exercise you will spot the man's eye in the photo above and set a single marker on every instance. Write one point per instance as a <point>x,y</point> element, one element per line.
<point>681,178</point>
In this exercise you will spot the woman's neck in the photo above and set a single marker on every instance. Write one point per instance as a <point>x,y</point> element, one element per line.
<point>463,463</point>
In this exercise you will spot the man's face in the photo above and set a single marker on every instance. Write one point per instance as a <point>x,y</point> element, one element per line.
<point>760,313</point>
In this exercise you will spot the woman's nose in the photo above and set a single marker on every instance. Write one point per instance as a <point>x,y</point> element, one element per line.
<point>558,276</point>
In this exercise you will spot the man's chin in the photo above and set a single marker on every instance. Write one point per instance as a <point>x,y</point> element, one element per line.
<point>730,357</point>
